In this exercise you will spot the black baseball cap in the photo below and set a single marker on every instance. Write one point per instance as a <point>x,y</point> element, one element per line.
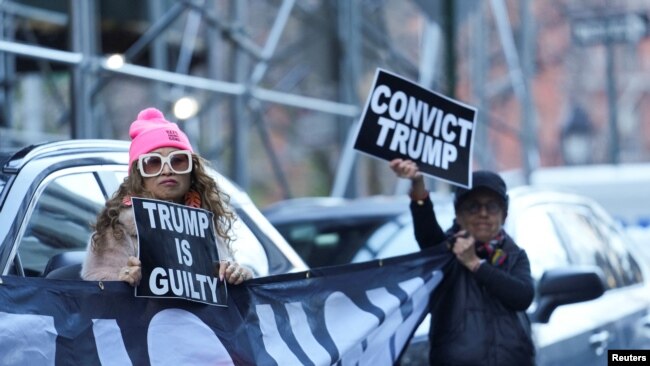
<point>483,179</point>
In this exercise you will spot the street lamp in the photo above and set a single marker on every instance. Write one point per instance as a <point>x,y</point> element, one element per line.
<point>576,138</point>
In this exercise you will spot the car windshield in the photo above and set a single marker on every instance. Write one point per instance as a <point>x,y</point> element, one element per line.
<point>397,236</point>
<point>379,245</point>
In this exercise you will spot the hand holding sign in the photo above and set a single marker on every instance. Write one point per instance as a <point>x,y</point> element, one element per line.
<point>233,272</point>
<point>408,169</point>
<point>132,272</point>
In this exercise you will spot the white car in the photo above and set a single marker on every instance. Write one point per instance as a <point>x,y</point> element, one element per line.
<point>51,193</point>
<point>593,289</point>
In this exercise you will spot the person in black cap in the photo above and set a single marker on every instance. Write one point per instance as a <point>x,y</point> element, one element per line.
<point>481,318</point>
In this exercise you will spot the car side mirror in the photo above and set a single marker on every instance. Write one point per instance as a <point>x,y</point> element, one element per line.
<point>564,286</point>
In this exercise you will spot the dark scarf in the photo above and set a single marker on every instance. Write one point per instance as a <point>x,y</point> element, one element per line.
<point>492,250</point>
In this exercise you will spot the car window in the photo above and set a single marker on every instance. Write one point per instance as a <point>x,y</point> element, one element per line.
<point>330,242</point>
<point>389,241</point>
<point>627,269</point>
<point>397,237</point>
<point>534,231</point>
<point>379,243</point>
<point>587,245</point>
<point>60,220</point>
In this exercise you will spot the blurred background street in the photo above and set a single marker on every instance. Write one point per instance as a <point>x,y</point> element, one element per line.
<point>271,91</point>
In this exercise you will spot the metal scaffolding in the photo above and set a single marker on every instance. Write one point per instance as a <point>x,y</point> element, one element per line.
<point>210,27</point>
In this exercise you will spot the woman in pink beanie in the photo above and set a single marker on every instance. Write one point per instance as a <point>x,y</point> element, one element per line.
<point>162,166</point>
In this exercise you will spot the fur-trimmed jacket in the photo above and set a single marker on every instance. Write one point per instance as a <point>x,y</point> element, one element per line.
<point>105,264</point>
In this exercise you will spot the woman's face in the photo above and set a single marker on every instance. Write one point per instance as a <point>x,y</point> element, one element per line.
<point>482,215</point>
<point>168,185</point>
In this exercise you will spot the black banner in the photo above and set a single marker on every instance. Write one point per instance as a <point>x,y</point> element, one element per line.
<point>178,251</point>
<point>404,120</point>
<point>361,313</point>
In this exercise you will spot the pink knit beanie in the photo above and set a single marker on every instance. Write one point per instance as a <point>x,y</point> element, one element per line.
<point>152,131</point>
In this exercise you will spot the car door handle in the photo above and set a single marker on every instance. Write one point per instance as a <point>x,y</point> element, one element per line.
<point>599,341</point>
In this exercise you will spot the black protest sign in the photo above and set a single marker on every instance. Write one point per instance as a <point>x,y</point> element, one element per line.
<point>404,120</point>
<point>177,249</point>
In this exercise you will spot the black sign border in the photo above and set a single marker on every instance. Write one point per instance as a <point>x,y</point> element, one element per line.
<point>224,283</point>
<point>451,100</point>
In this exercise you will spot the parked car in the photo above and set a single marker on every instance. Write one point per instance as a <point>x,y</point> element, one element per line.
<point>51,193</point>
<point>329,231</point>
<point>570,240</point>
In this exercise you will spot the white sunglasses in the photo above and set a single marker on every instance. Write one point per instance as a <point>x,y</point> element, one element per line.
<point>151,165</point>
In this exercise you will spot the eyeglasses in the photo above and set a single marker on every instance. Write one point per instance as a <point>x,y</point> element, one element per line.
<point>151,165</point>
<point>475,207</point>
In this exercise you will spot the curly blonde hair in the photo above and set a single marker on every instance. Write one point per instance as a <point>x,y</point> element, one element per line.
<point>212,199</point>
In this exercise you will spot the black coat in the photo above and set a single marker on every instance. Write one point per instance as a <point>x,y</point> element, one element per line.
<point>479,318</point>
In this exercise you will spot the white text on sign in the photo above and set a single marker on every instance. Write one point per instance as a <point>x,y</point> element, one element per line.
<point>414,128</point>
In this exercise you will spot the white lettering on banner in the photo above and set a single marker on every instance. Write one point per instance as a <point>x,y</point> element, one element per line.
<point>306,339</point>
<point>395,331</point>
<point>110,345</point>
<point>340,312</point>
<point>182,282</point>
<point>20,332</point>
<point>177,218</point>
<point>409,128</point>
<point>173,333</point>
<point>174,337</point>
<point>273,342</point>
<point>379,341</point>
<point>420,299</point>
